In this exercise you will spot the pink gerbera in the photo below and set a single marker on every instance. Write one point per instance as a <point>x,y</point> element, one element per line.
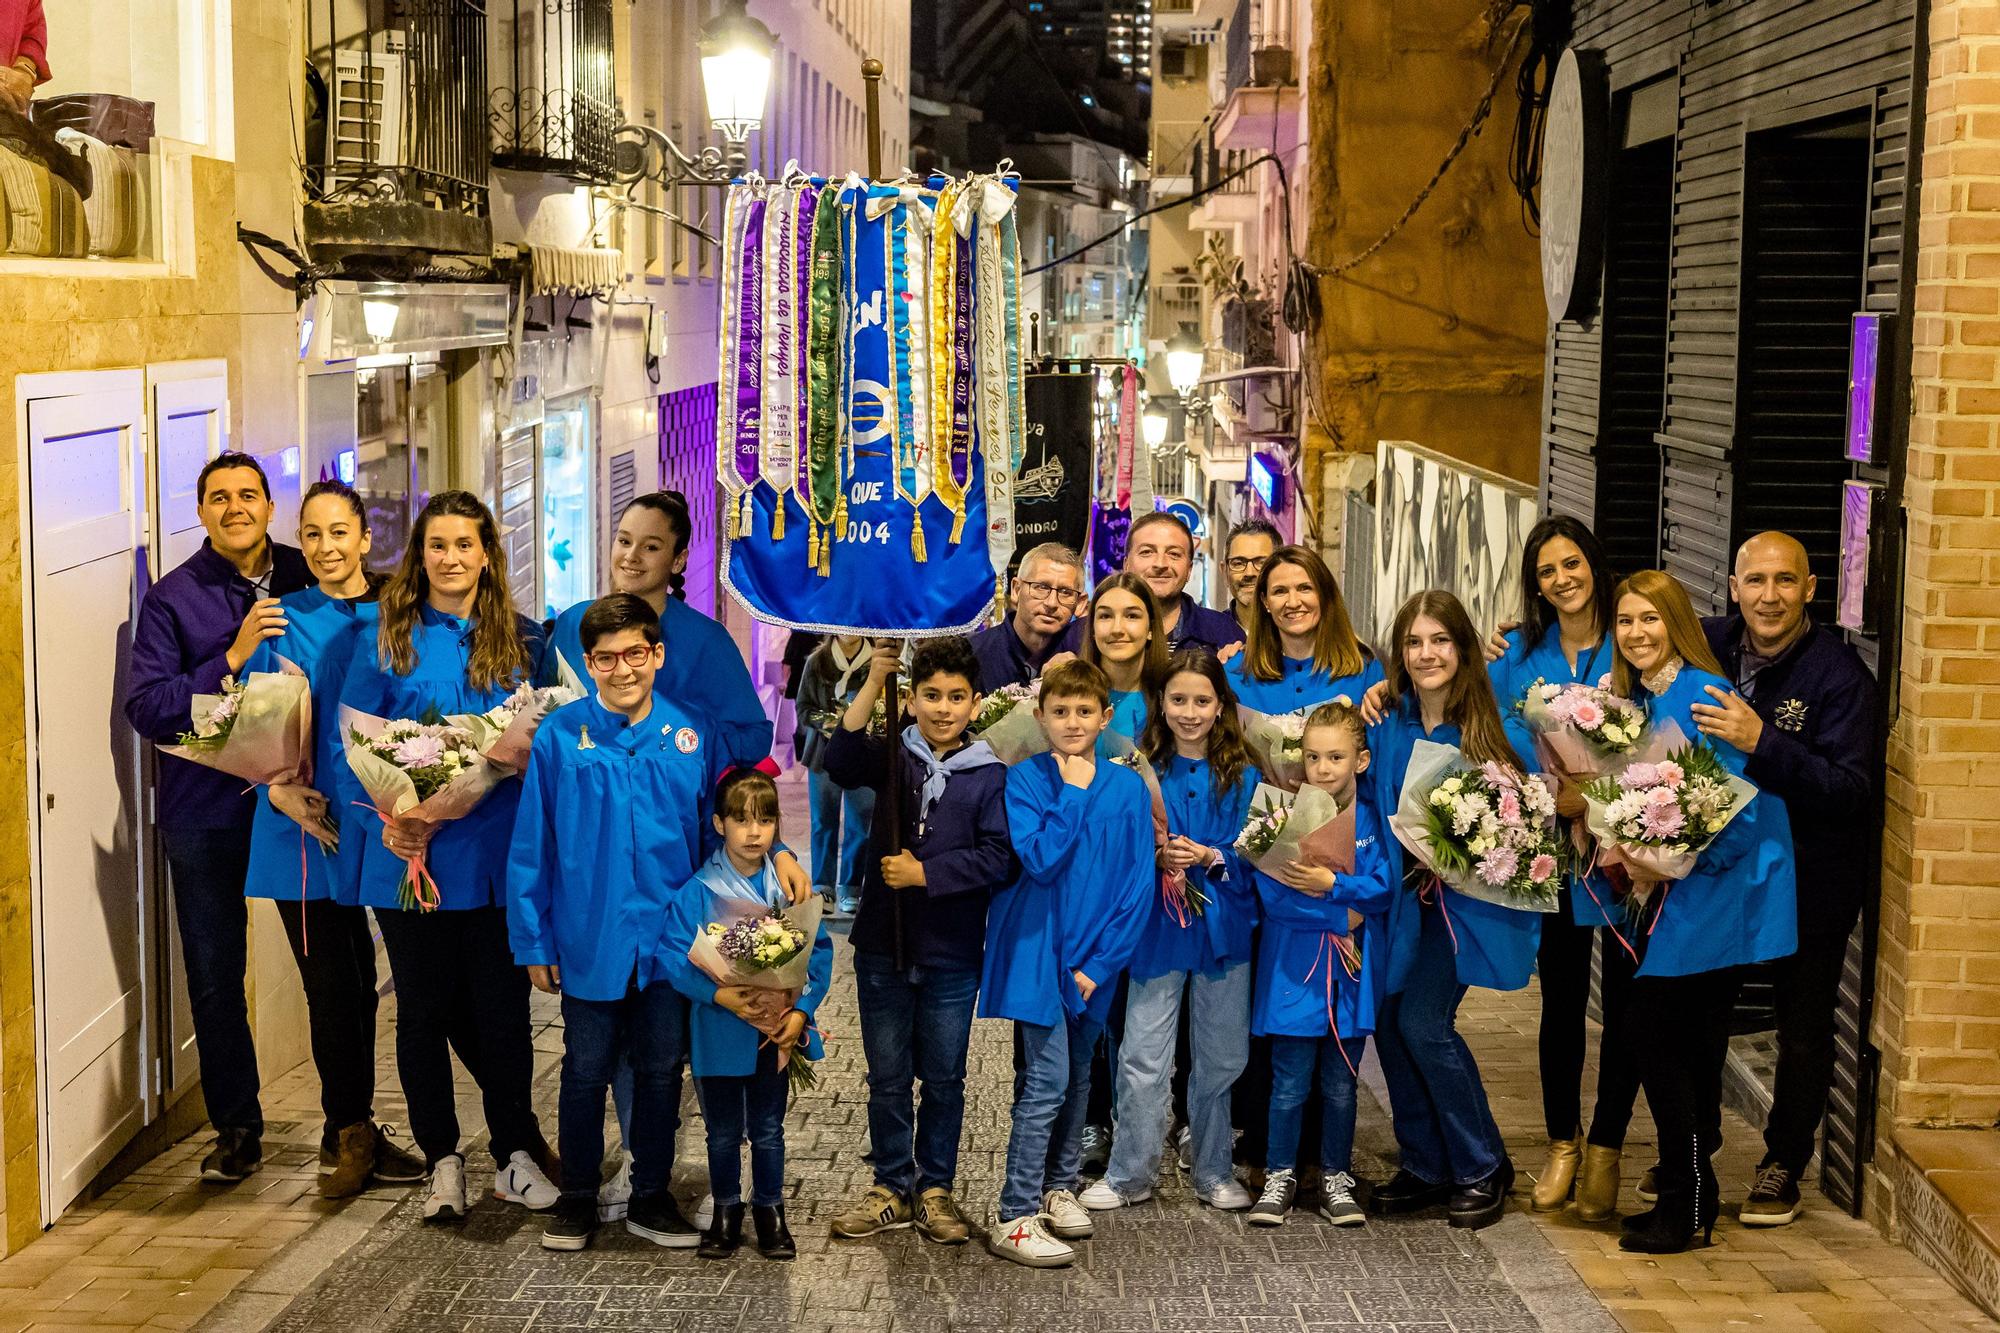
<point>1510,807</point>
<point>1587,714</point>
<point>1541,868</point>
<point>1671,773</point>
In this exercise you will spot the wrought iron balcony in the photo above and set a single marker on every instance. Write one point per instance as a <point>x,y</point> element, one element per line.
<point>553,108</point>
<point>397,145</point>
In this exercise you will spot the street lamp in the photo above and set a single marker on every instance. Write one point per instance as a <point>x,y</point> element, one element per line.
<point>1154,423</point>
<point>736,57</point>
<point>1184,362</point>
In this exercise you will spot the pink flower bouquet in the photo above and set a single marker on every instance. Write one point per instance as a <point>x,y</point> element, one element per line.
<point>769,950</point>
<point>1657,813</point>
<point>1486,830</point>
<point>505,732</point>
<point>1304,826</point>
<point>427,771</point>
<point>1277,744</point>
<point>258,729</point>
<point>1581,731</point>
<point>1006,722</point>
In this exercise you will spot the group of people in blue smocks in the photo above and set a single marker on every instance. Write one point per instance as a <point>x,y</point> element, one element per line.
<point>1271,988</point>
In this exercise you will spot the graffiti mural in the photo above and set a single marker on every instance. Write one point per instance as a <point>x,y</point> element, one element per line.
<point>1440,523</point>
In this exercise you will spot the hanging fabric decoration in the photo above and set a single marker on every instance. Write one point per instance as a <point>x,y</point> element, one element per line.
<point>739,432</point>
<point>1128,400</point>
<point>870,358</point>
<point>783,349</point>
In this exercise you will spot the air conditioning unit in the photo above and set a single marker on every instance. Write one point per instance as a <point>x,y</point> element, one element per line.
<point>365,127</point>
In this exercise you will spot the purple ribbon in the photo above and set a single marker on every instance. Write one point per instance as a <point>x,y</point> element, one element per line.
<point>750,346</point>
<point>960,445</point>
<point>802,303</point>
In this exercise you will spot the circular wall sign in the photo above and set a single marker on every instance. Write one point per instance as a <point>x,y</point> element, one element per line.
<point>1574,180</point>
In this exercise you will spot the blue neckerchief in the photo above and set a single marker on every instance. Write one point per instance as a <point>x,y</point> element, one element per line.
<point>937,772</point>
<point>721,878</point>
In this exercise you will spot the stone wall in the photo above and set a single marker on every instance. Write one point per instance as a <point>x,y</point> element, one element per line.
<point>1937,1015</point>
<point>1439,337</point>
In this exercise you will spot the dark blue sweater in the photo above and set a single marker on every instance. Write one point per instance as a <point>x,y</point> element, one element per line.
<point>964,845</point>
<point>186,624</point>
<point>1005,660</point>
<point>1818,752</point>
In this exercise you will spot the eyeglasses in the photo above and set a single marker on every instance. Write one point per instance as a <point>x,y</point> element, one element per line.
<point>1244,564</point>
<point>1048,592</point>
<point>605,663</point>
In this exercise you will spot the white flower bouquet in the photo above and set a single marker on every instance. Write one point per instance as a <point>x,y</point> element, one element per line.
<point>1485,829</point>
<point>427,771</point>
<point>505,732</point>
<point>258,729</point>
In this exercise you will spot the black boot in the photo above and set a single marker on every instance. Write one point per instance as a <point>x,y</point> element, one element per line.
<point>1407,1194</point>
<point>1682,1219</point>
<point>725,1233</point>
<point>774,1238</point>
<point>237,1153</point>
<point>1482,1202</point>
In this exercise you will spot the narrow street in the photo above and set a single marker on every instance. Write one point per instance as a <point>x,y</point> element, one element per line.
<point>163,1251</point>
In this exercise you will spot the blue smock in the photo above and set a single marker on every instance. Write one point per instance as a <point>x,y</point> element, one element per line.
<point>1295,957</point>
<point>1496,945</point>
<point>1300,686</point>
<point>1512,675</point>
<point>614,818</point>
<point>725,1046</point>
<point>467,857</point>
<point>1220,937</point>
<point>1087,865</point>
<point>1128,714</point>
<point>319,637</point>
<point>702,668</point>
<point>1739,903</point>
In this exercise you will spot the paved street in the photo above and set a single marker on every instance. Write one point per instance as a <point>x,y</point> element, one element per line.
<point>161,1250</point>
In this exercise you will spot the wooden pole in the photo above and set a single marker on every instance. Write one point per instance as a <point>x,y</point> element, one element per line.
<point>871,79</point>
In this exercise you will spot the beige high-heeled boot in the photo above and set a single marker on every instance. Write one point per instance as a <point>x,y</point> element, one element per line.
<point>1558,1176</point>
<point>1597,1184</point>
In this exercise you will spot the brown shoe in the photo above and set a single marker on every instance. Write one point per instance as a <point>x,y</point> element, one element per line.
<point>1597,1184</point>
<point>353,1162</point>
<point>880,1209</point>
<point>939,1220</point>
<point>1558,1178</point>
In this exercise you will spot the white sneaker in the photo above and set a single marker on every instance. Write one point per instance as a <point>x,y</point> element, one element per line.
<point>614,1196</point>
<point>1026,1240</point>
<point>1230,1196</point>
<point>1184,1149</point>
<point>447,1198</point>
<point>704,1212</point>
<point>1066,1217</point>
<point>1101,1198</point>
<point>522,1182</point>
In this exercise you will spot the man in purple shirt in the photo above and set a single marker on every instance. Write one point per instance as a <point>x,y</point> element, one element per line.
<point>198,624</point>
<point>1047,588</point>
<point>1160,550</point>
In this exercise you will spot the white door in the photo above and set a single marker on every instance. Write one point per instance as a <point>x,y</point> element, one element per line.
<point>95,931</point>
<point>190,425</point>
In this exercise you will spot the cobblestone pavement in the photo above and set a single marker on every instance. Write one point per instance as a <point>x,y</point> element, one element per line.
<point>161,1250</point>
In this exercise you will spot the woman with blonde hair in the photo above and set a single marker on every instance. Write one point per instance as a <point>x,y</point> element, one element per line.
<point>1695,934</point>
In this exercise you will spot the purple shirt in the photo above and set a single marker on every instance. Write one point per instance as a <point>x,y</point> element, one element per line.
<point>186,624</point>
<point>1198,627</point>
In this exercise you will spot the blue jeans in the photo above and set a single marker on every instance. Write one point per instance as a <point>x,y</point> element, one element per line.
<point>840,821</point>
<point>1436,1100</point>
<point>915,1026</point>
<point>650,1026</point>
<point>209,866</point>
<point>751,1106</point>
<point>1219,1042</point>
<point>1291,1083</point>
<point>1045,1147</point>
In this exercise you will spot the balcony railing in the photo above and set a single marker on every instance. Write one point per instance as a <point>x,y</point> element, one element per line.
<point>398,154</point>
<point>555,109</point>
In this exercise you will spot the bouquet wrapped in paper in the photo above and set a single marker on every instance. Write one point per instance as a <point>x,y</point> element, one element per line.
<point>1305,826</point>
<point>427,771</point>
<point>1006,722</point>
<point>1277,743</point>
<point>505,732</point>
<point>1485,829</point>
<point>1656,814</point>
<point>830,720</point>
<point>769,950</point>
<point>1581,731</point>
<point>258,729</point>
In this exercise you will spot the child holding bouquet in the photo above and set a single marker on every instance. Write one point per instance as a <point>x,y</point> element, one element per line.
<point>299,861</point>
<point>1736,906</point>
<point>1196,942</point>
<point>746,1035</point>
<point>1056,943</point>
<point>1317,976</point>
<point>613,820</point>
<point>447,640</point>
<point>1440,941</point>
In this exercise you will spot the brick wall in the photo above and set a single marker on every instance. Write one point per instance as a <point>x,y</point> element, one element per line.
<point>1938,1012</point>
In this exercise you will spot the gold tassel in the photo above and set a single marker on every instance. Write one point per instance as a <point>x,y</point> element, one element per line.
<point>917,539</point>
<point>812,541</point>
<point>957,526</point>
<point>839,516</point>
<point>826,556</point>
<point>778,519</point>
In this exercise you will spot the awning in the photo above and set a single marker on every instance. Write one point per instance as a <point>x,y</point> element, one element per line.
<point>568,271</point>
